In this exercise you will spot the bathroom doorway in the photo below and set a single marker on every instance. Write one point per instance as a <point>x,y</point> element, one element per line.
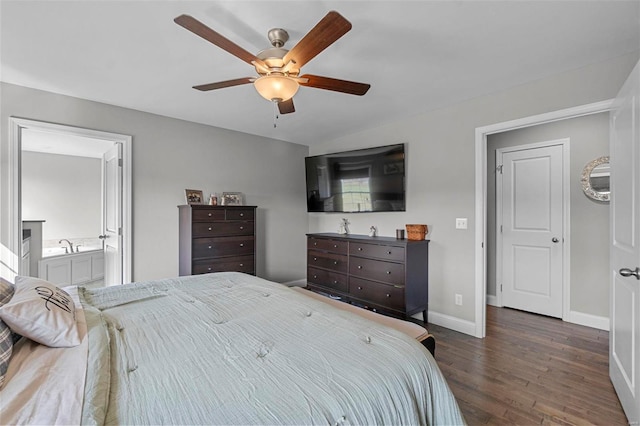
<point>61,198</point>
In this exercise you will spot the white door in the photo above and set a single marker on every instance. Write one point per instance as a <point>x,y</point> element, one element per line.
<point>624,334</point>
<point>530,228</point>
<point>112,215</point>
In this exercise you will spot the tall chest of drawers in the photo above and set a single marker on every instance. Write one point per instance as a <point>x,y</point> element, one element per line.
<point>380,273</point>
<point>216,239</point>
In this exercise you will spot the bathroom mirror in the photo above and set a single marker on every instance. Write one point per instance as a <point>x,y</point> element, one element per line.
<point>595,179</point>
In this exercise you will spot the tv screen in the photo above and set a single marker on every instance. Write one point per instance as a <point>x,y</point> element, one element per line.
<point>364,180</point>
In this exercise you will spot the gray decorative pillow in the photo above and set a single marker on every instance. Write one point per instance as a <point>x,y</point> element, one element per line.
<point>6,339</point>
<point>42,312</point>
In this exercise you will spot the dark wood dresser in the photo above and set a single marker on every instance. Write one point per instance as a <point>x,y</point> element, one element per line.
<point>384,274</point>
<point>216,239</point>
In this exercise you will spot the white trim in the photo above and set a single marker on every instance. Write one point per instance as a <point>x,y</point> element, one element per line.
<point>481,191</point>
<point>15,130</point>
<point>588,320</point>
<point>493,300</point>
<point>452,323</point>
<point>565,143</point>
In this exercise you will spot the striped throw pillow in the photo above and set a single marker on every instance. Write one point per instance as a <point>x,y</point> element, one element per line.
<point>6,338</point>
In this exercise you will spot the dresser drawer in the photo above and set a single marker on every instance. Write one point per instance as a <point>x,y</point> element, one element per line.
<point>380,294</point>
<point>387,272</point>
<point>327,279</point>
<point>217,229</point>
<point>334,246</point>
<point>377,251</point>
<point>321,259</point>
<point>237,264</point>
<point>207,215</point>
<point>223,246</point>
<point>240,214</point>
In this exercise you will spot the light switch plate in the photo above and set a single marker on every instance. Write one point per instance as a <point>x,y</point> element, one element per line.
<point>461,223</point>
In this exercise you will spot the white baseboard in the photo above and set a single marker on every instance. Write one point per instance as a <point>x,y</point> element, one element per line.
<point>492,300</point>
<point>588,320</point>
<point>296,283</point>
<point>452,323</point>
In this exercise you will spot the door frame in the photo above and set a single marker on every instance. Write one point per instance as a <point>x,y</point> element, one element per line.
<point>16,125</point>
<point>481,134</point>
<point>566,216</point>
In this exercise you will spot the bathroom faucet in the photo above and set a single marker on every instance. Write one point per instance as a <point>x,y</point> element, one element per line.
<point>70,245</point>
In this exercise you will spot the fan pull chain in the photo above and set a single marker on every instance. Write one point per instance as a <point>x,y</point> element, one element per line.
<point>275,114</point>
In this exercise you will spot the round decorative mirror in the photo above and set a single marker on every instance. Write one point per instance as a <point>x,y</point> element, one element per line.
<point>595,179</point>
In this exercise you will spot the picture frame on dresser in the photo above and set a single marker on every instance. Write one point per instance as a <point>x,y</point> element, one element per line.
<point>193,196</point>
<point>232,199</point>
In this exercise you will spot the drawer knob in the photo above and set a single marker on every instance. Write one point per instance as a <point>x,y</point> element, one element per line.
<point>359,267</point>
<point>209,247</point>
<point>359,248</point>
<point>335,246</point>
<point>315,244</point>
<point>209,215</point>
<point>241,214</point>
<point>241,244</point>
<point>209,268</point>
<point>209,228</point>
<point>359,288</point>
<point>241,265</point>
<point>335,262</point>
<point>315,276</point>
<point>315,258</point>
<point>241,228</point>
<point>388,272</point>
<point>389,252</point>
<point>388,295</point>
<point>335,281</point>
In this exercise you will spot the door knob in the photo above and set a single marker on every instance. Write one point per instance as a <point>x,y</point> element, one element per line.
<point>554,239</point>
<point>626,272</point>
<point>103,236</point>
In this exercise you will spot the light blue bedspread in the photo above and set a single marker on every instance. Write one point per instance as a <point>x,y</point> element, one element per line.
<point>230,348</point>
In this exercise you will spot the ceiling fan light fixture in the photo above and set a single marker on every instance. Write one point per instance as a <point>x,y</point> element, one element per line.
<point>276,88</point>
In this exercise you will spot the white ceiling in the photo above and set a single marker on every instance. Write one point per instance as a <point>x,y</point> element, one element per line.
<point>417,55</point>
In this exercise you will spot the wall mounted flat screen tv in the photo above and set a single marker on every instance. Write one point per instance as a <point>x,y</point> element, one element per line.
<point>364,180</point>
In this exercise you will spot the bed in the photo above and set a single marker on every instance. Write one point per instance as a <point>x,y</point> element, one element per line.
<point>223,348</point>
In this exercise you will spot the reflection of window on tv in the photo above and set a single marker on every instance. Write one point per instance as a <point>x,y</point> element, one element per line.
<point>366,180</point>
<point>356,195</point>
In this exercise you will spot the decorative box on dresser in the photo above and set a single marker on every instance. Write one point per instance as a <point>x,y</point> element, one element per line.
<point>384,274</point>
<point>217,239</point>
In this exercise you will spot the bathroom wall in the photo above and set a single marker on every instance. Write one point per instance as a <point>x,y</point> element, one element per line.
<point>65,191</point>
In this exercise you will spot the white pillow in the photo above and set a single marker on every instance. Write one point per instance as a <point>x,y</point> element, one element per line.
<point>42,312</point>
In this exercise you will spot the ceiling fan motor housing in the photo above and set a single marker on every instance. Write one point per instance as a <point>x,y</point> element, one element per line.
<point>278,37</point>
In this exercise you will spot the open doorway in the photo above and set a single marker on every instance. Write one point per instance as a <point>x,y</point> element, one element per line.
<point>33,140</point>
<point>481,237</point>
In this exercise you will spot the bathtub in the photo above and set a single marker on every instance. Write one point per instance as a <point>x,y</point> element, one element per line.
<point>58,251</point>
<point>72,268</point>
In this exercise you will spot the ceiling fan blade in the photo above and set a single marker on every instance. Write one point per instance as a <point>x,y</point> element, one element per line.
<point>286,107</point>
<point>223,84</point>
<point>327,83</point>
<point>200,29</point>
<point>326,32</point>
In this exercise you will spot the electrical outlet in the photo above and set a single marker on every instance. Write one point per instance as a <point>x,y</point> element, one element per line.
<point>458,299</point>
<point>461,223</point>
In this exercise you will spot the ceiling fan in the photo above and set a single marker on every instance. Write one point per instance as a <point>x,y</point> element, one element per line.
<point>278,68</point>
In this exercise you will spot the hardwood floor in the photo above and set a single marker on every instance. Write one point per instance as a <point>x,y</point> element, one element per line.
<point>530,369</point>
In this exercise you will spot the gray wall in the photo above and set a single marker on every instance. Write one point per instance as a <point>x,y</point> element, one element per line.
<point>589,221</point>
<point>170,155</point>
<point>441,171</point>
<point>65,191</point>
